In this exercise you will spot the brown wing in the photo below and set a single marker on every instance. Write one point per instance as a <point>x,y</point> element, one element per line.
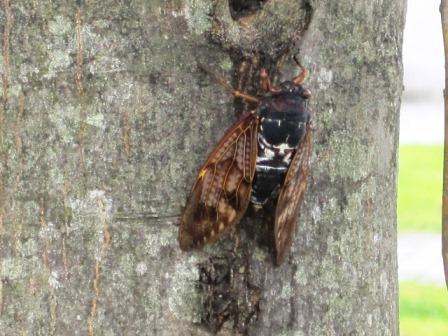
<point>222,190</point>
<point>291,197</point>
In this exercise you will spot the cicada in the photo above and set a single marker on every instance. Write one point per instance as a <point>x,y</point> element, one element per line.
<point>265,155</point>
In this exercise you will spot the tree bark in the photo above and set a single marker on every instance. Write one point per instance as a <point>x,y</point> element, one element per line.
<point>106,116</point>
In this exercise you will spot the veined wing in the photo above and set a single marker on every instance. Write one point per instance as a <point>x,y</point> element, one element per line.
<point>221,193</point>
<point>291,197</point>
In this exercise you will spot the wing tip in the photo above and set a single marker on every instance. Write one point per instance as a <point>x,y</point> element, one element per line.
<point>282,250</point>
<point>185,240</point>
<point>280,258</point>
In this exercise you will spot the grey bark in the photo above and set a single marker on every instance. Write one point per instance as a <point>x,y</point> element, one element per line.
<point>105,118</point>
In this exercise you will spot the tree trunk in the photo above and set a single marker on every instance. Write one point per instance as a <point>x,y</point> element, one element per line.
<point>106,116</point>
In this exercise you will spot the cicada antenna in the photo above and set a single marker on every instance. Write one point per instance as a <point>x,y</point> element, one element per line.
<point>227,86</point>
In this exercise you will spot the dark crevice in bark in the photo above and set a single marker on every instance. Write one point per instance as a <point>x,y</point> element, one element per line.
<point>229,299</point>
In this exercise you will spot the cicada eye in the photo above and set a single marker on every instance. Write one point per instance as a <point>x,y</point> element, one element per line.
<point>306,93</point>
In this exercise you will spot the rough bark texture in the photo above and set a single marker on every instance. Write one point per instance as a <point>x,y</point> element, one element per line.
<point>104,120</point>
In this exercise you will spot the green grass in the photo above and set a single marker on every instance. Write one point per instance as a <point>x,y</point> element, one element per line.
<point>423,310</point>
<point>420,188</point>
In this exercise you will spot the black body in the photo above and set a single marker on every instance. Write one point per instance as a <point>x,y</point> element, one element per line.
<point>283,119</point>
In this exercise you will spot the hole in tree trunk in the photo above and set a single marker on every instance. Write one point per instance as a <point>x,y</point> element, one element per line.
<point>241,8</point>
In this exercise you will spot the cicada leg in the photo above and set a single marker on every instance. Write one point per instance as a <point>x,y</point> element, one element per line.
<point>265,83</point>
<point>302,75</point>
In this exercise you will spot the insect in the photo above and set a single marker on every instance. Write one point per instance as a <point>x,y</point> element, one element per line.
<point>263,155</point>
